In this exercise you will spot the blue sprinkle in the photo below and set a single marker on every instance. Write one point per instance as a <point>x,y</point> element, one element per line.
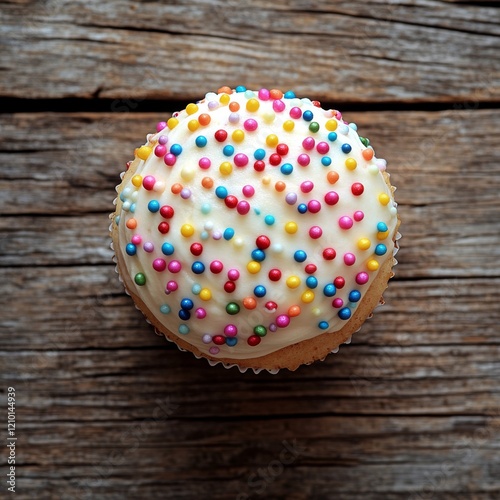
<point>220,192</point>
<point>183,329</point>
<point>259,154</point>
<point>132,207</point>
<point>258,255</point>
<point>307,115</point>
<point>380,249</point>
<point>346,148</point>
<point>165,309</point>
<point>353,126</point>
<point>332,136</point>
<point>204,235</point>
<point>329,290</point>
<point>326,161</point>
<point>205,208</point>
<point>240,88</point>
<point>198,267</point>
<point>184,314</point>
<point>269,220</point>
<point>154,206</point>
<point>176,149</point>
<point>201,141</point>
<point>302,208</point>
<point>228,150</point>
<point>382,227</point>
<point>257,211</point>
<point>344,313</point>
<point>187,304</point>
<point>311,282</point>
<point>323,325</point>
<point>289,94</point>
<point>131,249</point>
<point>286,168</point>
<point>300,256</point>
<point>167,248</point>
<point>231,341</point>
<point>228,233</point>
<point>196,289</point>
<point>354,296</point>
<point>259,291</point>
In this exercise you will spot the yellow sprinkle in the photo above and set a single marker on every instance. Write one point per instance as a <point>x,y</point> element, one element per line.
<point>372,265</point>
<point>238,135</point>
<point>172,123</point>
<point>187,230</point>
<point>191,108</point>
<point>193,125</point>
<point>288,125</point>
<point>205,294</point>
<point>253,105</point>
<point>331,125</point>
<point>292,281</point>
<point>188,173</point>
<point>383,198</point>
<point>266,180</point>
<point>143,152</point>
<point>316,311</point>
<point>291,227</point>
<point>382,235</point>
<point>253,267</point>
<point>238,242</point>
<point>269,116</point>
<point>307,297</point>
<point>351,163</point>
<point>364,244</point>
<point>225,168</point>
<point>224,99</point>
<point>272,140</point>
<point>137,180</point>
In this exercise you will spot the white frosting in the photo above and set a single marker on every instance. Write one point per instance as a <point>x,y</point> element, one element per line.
<point>204,209</point>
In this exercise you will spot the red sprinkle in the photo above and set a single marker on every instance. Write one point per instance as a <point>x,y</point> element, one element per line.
<point>196,248</point>
<point>263,242</point>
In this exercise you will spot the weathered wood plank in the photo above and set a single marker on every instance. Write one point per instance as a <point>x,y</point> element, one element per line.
<point>89,309</point>
<point>362,51</point>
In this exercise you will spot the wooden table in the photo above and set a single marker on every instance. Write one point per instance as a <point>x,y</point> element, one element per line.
<point>107,410</point>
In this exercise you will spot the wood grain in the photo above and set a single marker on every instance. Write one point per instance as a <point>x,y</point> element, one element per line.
<point>346,51</point>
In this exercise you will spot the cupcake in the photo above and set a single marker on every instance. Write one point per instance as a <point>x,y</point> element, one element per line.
<point>256,229</point>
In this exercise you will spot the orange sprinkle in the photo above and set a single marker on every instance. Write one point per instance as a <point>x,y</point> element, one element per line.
<point>176,188</point>
<point>225,90</point>
<point>280,186</point>
<point>131,224</point>
<point>367,154</point>
<point>234,106</point>
<point>293,311</point>
<point>249,303</point>
<point>332,177</point>
<point>275,94</point>
<point>204,119</point>
<point>207,182</point>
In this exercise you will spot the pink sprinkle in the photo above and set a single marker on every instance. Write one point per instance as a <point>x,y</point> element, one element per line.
<point>136,239</point>
<point>322,148</point>
<point>264,94</point>
<point>169,159</point>
<point>163,139</point>
<point>160,151</point>
<point>306,186</point>
<point>362,278</point>
<point>314,206</point>
<point>248,191</point>
<point>204,163</point>
<point>200,314</point>
<point>243,207</point>
<point>230,330</point>
<point>160,126</point>
<point>308,143</point>
<point>338,303</point>
<point>174,266</point>
<point>172,286</point>
<point>295,113</point>
<point>214,350</point>
<point>273,327</point>
<point>349,259</point>
<point>250,125</point>
<point>358,215</point>
<point>331,198</point>
<point>315,232</point>
<point>233,274</point>
<point>159,265</point>
<point>206,338</point>
<point>241,159</point>
<point>148,182</point>
<point>148,247</point>
<point>345,222</point>
<point>278,105</point>
<point>217,235</point>
<point>216,266</point>
<point>282,321</point>
<point>303,160</point>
